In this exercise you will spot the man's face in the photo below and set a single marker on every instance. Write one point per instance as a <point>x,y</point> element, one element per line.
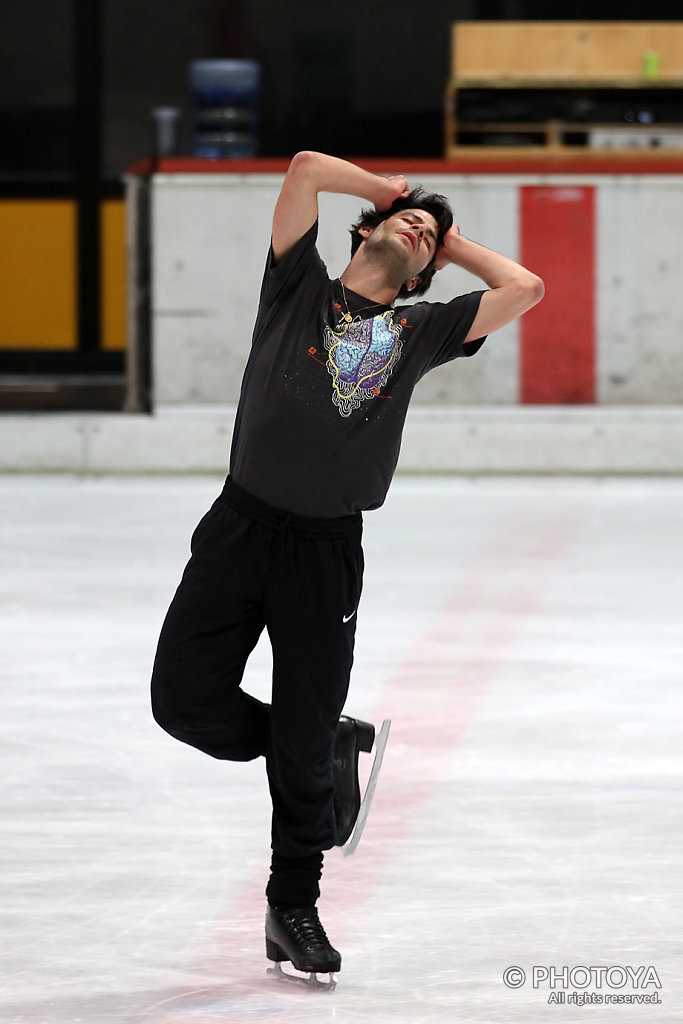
<point>405,243</point>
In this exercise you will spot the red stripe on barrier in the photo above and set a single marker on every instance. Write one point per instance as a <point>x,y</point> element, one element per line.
<point>581,162</point>
<point>557,242</point>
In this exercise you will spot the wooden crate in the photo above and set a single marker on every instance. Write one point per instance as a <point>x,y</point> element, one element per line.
<point>552,55</point>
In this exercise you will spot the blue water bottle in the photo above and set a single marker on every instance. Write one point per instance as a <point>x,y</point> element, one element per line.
<point>225,108</point>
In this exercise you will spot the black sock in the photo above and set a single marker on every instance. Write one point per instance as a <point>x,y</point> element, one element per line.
<point>294,881</point>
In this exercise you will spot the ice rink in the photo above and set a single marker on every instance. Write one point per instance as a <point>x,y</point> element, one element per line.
<point>526,638</point>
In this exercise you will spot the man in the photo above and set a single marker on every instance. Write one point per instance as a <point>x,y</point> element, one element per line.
<point>331,371</point>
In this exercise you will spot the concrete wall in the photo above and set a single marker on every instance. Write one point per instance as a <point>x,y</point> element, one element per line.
<point>585,440</point>
<point>211,233</point>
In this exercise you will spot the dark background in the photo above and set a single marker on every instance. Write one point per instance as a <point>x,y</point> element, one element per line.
<point>358,79</point>
<point>78,82</point>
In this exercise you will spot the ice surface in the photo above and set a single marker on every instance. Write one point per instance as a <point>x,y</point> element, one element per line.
<point>525,637</point>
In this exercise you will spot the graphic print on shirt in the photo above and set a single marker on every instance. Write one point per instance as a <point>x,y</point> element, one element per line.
<point>361,357</point>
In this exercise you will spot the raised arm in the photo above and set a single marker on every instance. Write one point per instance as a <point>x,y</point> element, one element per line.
<point>309,173</point>
<point>513,289</point>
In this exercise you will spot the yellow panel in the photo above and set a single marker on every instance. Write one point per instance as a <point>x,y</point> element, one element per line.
<point>113,254</point>
<point>38,274</point>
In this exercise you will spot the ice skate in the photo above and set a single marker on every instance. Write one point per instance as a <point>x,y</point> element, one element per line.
<point>295,934</point>
<point>352,737</point>
<point>350,810</point>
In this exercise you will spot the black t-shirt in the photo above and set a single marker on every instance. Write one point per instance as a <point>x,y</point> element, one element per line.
<point>323,400</point>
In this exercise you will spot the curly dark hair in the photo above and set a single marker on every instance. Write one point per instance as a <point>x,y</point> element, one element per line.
<point>417,199</point>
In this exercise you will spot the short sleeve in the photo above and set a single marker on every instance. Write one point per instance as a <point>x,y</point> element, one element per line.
<point>287,273</point>
<point>444,326</point>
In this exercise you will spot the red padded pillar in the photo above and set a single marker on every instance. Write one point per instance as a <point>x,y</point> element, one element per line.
<point>557,242</point>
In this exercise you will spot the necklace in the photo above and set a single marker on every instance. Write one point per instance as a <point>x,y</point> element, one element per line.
<point>347,315</point>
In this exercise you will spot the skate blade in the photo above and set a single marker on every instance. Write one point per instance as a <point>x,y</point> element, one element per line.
<point>310,981</point>
<point>380,745</point>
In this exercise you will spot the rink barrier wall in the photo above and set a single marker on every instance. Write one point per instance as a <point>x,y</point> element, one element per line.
<point>579,440</point>
<point>608,246</point>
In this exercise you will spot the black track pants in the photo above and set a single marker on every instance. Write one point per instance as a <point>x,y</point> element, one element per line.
<point>300,578</point>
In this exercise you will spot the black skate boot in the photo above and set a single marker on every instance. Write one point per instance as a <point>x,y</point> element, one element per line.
<point>295,934</point>
<point>352,737</point>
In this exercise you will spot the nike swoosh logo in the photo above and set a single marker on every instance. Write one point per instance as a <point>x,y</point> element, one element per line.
<point>347,617</point>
